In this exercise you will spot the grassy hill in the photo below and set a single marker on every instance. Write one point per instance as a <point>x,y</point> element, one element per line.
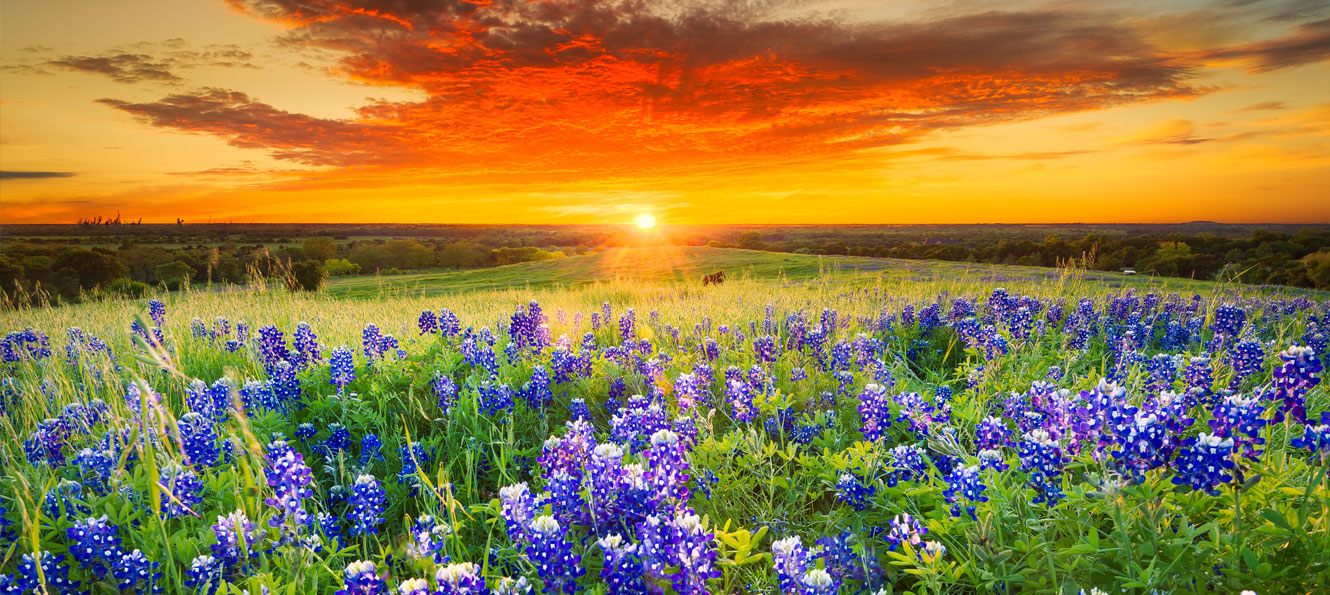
<point>688,264</point>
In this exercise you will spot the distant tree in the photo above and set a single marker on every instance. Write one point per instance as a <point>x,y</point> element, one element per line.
<point>175,274</point>
<point>751,240</point>
<point>128,288</point>
<point>838,248</point>
<point>142,261</point>
<point>337,267</point>
<point>463,255</point>
<point>319,248</point>
<point>91,268</point>
<point>407,254</point>
<point>1318,269</point>
<point>307,275</point>
<point>368,257</point>
<point>11,275</point>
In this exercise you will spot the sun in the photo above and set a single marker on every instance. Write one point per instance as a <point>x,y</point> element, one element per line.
<point>646,221</point>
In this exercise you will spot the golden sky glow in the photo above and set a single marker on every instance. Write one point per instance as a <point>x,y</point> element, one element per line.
<point>585,111</point>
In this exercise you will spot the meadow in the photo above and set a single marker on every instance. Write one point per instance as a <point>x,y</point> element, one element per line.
<point>604,424</point>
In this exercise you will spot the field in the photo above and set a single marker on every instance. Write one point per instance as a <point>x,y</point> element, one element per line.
<point>686,265</point>
<point>605,424</point>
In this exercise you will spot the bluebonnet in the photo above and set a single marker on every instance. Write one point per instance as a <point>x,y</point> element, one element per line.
<point>965,488</point>
<point>1293,379</point>
<point>463,578</point>
<point>339,438</point>
<point>739,395</point>
<point>852,491</point>
<point>46,444</point>
<point>371,342</point>
<point>992,459</point>
<point>184,491</point>
<point>536,391</point>
<point>272,346</point>
<point>137,574</point>
<point>445,391</point>
<point>627,325</point>
<point>371,449</point>
<point>874,412</point>
<point>199,440</point>
<point>362,578</point>
<point>790,560</point>
<point>622,568</point>
<point>1315,436</point>
<point>204,575</point>
<point>428,539</point>
<point>1239,417</point>
<point>1043,458</point>
<point>495,397</point>
<point>1198,377</point>
<point>1204,463</point>
<point>679,541</point>
<point>552,555</point>
<point>667,464</point>
<point>307,346</point>
<point>518,508</point>
<point>413,455</point>
<point>414,586</point>
<point>237,539</point>
<point>53,572</point>
<point>991,433</point>
<point>577,409</point>
<point>568,453</point>
<point>428,323</point>
<point>1228,323</point>
<point>341,368</point>
<point>1141,442</point>
<point>905,529</point>
<point>290,480</point>
<point>907,463</point>
<point>95,545</point>
<point>1246,358</point>
<point>367,503</point>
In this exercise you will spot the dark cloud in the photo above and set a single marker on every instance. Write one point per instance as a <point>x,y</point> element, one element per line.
<point>122,68</point>
<point>152,61</point>
<point>247,123</point>
<point>34,175</point>
<point>1309,42</point>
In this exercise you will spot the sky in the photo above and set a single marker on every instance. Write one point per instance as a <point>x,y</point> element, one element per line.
<point>738,111</point>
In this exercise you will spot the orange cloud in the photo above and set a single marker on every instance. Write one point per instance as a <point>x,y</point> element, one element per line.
<point>615,88</point>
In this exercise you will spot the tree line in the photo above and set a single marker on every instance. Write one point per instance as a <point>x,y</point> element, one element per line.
<point>63,268</point>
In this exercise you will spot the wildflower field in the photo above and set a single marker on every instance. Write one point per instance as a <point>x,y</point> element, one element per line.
<point>853,436</point>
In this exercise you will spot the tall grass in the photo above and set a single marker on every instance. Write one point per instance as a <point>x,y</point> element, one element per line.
<point>753,482</point>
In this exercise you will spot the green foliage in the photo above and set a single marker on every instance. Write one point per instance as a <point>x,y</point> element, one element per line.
<point>338,267</point>
<point>307,275</point>
<point>175,274</point>
<point>128,288</point>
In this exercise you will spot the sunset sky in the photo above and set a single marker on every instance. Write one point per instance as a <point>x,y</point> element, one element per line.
<point>743,111</point>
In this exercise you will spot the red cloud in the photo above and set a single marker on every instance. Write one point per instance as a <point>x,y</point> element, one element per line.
<point>603,87</point>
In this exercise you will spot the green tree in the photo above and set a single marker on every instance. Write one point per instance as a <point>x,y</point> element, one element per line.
<point>91,268</point>
<point>1318,269</point>
<point>337,267</point>
<point>307,275</point>
<point>751,240</point>
<point>320,248</point>
<point>175,274</point>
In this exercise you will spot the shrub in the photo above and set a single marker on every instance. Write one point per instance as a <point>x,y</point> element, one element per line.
<point>337,267</point>
<point>307,275</point>
<point>128,288</point>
